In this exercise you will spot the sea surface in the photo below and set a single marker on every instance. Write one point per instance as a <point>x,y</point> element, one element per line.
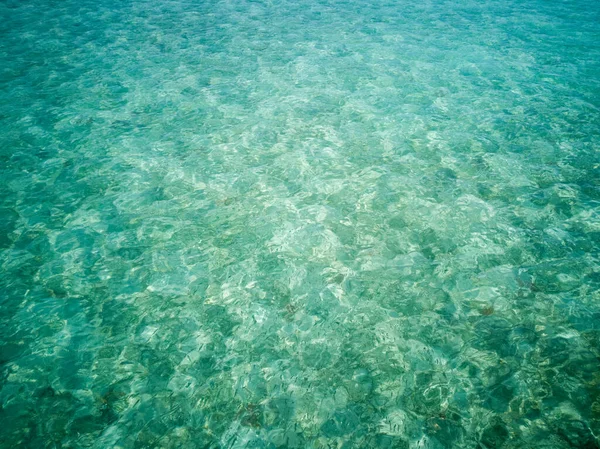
<point>300,224</point>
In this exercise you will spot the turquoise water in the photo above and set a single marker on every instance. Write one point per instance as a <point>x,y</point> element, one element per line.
<point>300,224</point>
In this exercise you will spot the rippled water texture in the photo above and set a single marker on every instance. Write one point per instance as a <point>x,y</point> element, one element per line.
<point>300,224</point>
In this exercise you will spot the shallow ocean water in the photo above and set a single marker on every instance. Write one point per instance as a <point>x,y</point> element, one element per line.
<point>300,224</point>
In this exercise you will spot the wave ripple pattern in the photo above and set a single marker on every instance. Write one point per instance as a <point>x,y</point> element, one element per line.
<point>300,224</point>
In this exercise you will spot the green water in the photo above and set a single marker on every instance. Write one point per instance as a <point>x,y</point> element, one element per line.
<point>300,224</point>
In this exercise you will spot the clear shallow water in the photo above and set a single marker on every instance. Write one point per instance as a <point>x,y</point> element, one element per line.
<point>300,224</point>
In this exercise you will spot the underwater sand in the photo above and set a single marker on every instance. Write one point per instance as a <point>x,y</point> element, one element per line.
<point>300,224</point>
